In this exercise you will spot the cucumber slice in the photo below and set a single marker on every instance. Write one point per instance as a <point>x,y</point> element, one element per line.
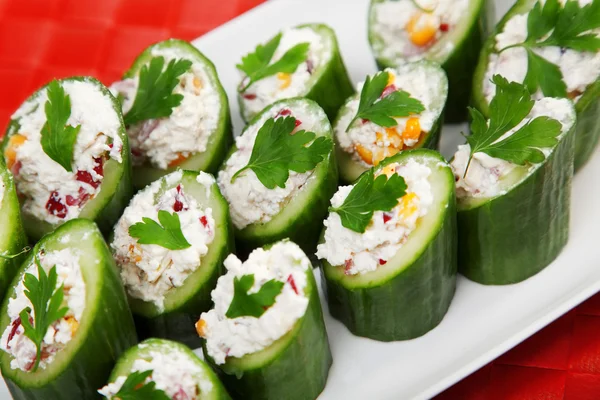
<point>491,248</point>
<point>350,168</point>
<point>587,133</point>
<point>294,367</point>
<point>410,294</point>
<point>329,84</point>
<point>457,52</point>
<point>147,350</point>
<point>115,189</point>
<point>12,236</point>
<point>184,304</point>
<point>220,138</point>
<point>301,218</point>
<point>104,333</point>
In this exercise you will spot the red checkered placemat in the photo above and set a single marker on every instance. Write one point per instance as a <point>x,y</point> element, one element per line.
<point>45,39</point>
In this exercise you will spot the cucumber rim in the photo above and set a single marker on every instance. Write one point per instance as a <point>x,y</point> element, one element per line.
<point>164,346</point>
<point>419,238</point>
<point>328,36</point>
<point>114,172</point>
<point>351,169</point>
<point>209,159</point>
<point>89,237</point>
<point>518,176</point>
<point>437,52</point>
<point>280,222</point>
<point>175,298</point>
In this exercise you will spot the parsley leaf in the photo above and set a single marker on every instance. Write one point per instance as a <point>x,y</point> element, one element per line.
<point>134,388</point>
<point>255,304</point>
<point>46,300</point>
<point>57,138</point>
<point>26,249</point>
<point>154,97</point>
<point>368,195</point>
<point>277,151</point>
<point>509,107</point>
<point>256,65</point>
<point>169,235</point>
<point>565,27</point>
<point>381,111</point>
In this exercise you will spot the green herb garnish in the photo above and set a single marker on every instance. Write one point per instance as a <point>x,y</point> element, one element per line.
<point>169,235</point>
<point>383,110</point>
<point>134,388</point>
<point>277,151</point>
<point>509,107</point>
<point>564,27</point>
<point>256,65</point>
<point>154,97</point>
<point>46,300</point>
<point>368,195</point>
<point>57,138</point>
<point>26,249</point>
<point>255,304</point>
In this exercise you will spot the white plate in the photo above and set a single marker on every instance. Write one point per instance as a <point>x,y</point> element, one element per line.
<point>483,322</point>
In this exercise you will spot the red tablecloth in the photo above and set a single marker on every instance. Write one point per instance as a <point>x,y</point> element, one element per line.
<point>45,39</point>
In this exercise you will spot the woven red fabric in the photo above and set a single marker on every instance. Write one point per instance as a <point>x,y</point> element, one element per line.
<point>45,39</point>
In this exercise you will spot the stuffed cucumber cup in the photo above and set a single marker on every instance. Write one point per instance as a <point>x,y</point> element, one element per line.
<point>513,220</point>
<point>189,127</point>
<point>295,206</point>
<point>57,180</point>
<point>577,72</point>
<point>13,241</point>
<point>303,61</point>
<point>173,368</point>
<point>395,280</point>
<point>169,277</point>
<point>363,143</point>
<point>82,341</point>
<point>449,32</point>
<point>266,337</point>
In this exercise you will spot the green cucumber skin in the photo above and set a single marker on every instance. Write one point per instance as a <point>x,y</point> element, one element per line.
<point>123,366</point>
<point>460,66</point>
<point>10,220</point>
<point>409,305</point>
<point>299,372</point>
<point>110,334</point>
<point>495,248</point>
<point>106,209</point>
<point>332,88</point>
<point>306,225</point>
<point>220,141</point>
<point>178,323</point>
<point>587,133</point>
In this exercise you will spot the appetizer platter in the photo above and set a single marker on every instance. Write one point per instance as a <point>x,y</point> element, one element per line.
<point>291,217</point>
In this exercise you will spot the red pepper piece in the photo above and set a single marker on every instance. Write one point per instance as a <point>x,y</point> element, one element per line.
<point>382,262</point>
<point>13,331</point>
<point>55,206</point>
<point>444,27</point>
<point>292,283</point>
<point>249,96</point>
<point>388,90</point>
<point>386,218</point>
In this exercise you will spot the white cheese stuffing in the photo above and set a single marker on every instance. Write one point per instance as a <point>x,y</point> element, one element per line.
<point>50,192</point>
<point>361,253</point>
<point>174,372</point>
<point>485,174</point>
<point>394,21</point>
<point>149,271</point>
<point>368,142</point>
<point>579,69</point>
<point>166,142</point>
<point>249,200</point>
<point>284,86</point>
<point>236,337</point>
<point>60,332</point>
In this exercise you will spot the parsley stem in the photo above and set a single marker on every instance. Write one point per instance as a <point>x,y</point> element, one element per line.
<point>467,167</point>
<point>512,46</point>
<point>26,249</point>
<point>416,4</point>
<point>234,177</point>
<point>352,122</point>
